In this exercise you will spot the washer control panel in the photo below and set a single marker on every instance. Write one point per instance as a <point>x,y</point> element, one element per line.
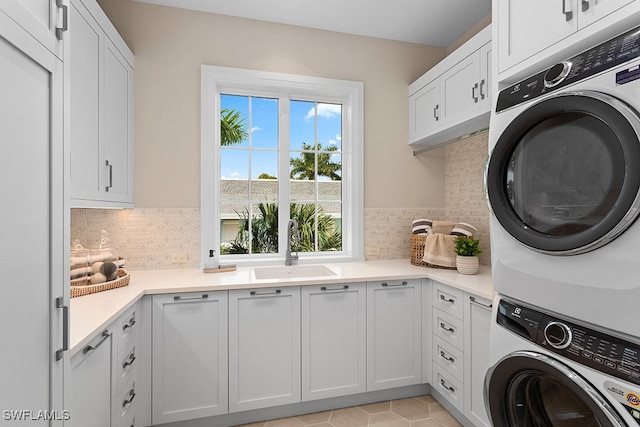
<point>605,56</point>
<point>603,352</point>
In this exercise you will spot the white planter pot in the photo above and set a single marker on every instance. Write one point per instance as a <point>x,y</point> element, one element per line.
<point>467,264</point>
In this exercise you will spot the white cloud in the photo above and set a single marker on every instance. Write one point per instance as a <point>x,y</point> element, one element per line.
<point>328,111</point>
<point>233,175</point>
<point>255,128</point>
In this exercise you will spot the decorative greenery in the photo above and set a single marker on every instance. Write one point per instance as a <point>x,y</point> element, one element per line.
<point>232,127</point>
<point>304,167</point>
<point>467,246</point>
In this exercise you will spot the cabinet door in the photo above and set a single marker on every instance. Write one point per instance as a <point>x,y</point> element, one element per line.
<point>393,334</point>
<point>528,26</point>
<point>333,340</point>
<point>33,222</point>
<point>424,110</point>
<point>460,87</point>
<point>89,401</point>
<point>39,18</point>
<point>486,83</point>
<point>189,363</point>
<point>592,10</point>
<point>476,357</point>
<point>264,348</point>
<point>118,125</point>
<point>82,66</point>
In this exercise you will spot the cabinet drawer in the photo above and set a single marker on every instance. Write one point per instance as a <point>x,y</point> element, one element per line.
<point>125,405</point>
<point>126,328</point>
<point>448,328</point>
<point>448,386</point>
<point>127,366</point>
<point>448,357</point>
<point>448,299</point>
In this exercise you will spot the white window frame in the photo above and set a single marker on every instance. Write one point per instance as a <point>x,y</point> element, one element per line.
<point>216,80</point>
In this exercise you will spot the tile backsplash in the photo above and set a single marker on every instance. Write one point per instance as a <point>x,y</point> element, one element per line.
<point>148,238</point>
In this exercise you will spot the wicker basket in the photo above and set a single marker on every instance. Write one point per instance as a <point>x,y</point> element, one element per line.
<point>79,289</point>
<point>417,252</point>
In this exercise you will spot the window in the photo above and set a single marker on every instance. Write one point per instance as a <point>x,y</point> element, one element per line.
<point>277,147</point>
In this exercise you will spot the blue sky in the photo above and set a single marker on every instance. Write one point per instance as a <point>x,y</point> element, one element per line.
<point>305,120</point>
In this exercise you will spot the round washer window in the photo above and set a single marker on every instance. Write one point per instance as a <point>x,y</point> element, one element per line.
<point>563,176</point>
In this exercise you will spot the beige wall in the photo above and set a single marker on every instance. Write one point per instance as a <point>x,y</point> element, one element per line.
<point>171,44</point>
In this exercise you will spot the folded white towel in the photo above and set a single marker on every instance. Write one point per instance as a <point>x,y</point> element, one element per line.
<point>421,226</point>
<point>464,229</point>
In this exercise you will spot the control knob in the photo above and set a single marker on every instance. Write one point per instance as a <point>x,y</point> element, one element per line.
<point>556,74</point>
<point>558,335</point>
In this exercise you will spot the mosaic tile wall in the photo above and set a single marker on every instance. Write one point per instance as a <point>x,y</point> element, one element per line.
<point>148,238</point>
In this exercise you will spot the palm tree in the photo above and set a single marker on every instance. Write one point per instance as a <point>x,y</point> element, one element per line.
<point>304,167</point>
<point>232,127</point>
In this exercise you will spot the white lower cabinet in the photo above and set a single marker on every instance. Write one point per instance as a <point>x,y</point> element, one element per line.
<point>89,398</point>
<point>394,334</point>
<point>477,315</point>
<point>264,348</point>
<point>334,321</point>
<point>189,363</point>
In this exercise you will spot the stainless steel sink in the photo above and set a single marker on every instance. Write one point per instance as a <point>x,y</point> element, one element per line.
<point>292,271</point>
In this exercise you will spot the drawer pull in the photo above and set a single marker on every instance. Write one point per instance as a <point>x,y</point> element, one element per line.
<point>127,363</point>
<point>447,387</point>
<point>445,299</point>
<point>447,358</point>
<point>256,293</point>
<point>340,288</point>
<point>179,298</point>
<point>127,402</point>
<point>130,324</point>
<point>105,335</point>
<point>386,285</point>
<point>447,329</point>
<point>473,300</point>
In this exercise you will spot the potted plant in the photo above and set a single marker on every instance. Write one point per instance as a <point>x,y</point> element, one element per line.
<point>467,250</point>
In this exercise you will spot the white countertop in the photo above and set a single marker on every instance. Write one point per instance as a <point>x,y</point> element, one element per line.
<point>92,313</point>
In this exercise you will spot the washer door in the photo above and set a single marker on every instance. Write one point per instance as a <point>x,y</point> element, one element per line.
<point>528,389</point>
<point>563,177</point>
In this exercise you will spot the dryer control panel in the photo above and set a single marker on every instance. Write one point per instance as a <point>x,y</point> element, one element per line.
<point>605,56</point>
<point>596,349</point>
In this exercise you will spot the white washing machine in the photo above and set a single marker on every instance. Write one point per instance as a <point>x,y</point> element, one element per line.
<point>563,183</point>
<point>551,371</point>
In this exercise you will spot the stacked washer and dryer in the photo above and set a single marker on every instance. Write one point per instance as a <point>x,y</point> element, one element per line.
<point>563,183</point>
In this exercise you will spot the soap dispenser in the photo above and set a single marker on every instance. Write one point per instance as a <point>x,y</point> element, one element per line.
<point>212,262</point>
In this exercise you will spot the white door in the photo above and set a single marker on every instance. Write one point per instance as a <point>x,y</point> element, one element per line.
<point>460,87</point>
<point>40,18</point>
<point>393,334</point>
<point>593,10</point>
<point>33,223</point>
<point>189,363</point>
<point>424,110</point>
<point>549,20</point>
<point>334,322</point>
<point>264,348</point>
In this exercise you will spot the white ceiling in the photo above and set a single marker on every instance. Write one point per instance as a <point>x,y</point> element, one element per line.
<point>430,22</point>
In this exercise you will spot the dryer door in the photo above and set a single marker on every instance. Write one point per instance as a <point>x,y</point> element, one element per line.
<point>563,177</point>
<point>528,389</point>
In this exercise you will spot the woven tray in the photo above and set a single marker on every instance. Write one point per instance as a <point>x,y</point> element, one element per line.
<point>78,290</point>
<point>417,252</point>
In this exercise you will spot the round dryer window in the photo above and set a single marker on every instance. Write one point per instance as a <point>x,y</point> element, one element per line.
<point>564,175</point>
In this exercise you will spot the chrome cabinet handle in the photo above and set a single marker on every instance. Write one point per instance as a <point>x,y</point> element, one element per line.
<point>65,327</point>
<point>449,300</point>
<point>444,384</point>
<point>445,328</point>
<point>256,293</point>
<point>179,298</point>
<point>341,288</point>
<point>387,285</point>
<point>568,14</point>
<point>105,335</point>
<point>127,363</point>
<point>447,358</point>
<point>473,300</point>
<point>127,402</point>
<point>435,112</point>
<point>65,20</point>
<point>110,166</point>
<point>482,95</point>
<point>585,5</point>
<point>473,92</point>
<point>132,322</point>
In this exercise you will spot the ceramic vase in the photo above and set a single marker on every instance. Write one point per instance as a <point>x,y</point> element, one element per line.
<point>467,264</point>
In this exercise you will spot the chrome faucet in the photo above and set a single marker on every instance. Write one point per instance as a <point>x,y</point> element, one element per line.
<point>296,239</point>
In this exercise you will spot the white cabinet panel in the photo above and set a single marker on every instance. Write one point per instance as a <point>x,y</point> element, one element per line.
<point>448,328</point>
<point>461,89</point>
<point>393,334</point>
<point>189,372</point>
<point>40,18</point>
<point>333,340</point>
<point>424,110</point>
<point>264,348</point>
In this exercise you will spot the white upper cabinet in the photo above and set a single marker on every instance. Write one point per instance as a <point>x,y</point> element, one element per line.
<point>99,91</point>
<point>531,31</point>
<point>454,97</point>
<point>43,19</point>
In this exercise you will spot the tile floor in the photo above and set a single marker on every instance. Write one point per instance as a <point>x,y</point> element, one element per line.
<point>421,411</point>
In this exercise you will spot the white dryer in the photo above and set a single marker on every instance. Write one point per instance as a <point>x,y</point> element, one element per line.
<point>563,183</point>
<point>550,371</point>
